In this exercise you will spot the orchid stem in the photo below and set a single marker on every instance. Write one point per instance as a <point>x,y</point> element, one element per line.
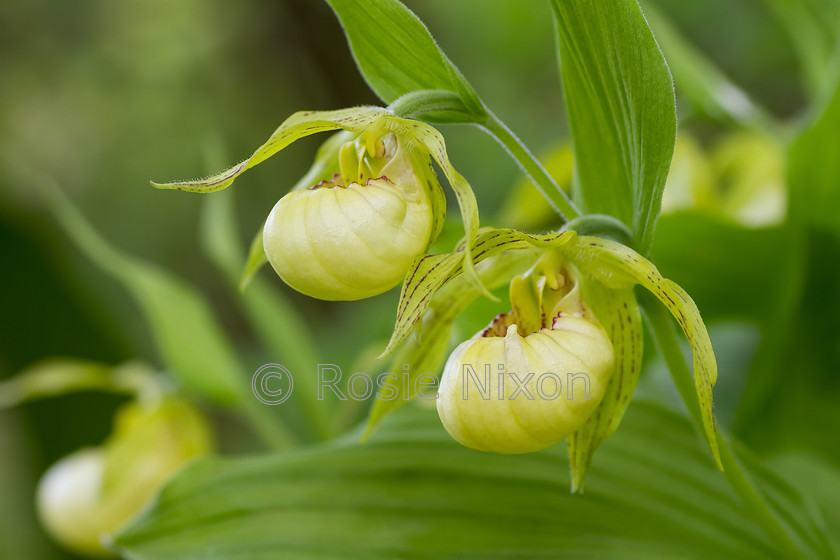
<point>531,167</point>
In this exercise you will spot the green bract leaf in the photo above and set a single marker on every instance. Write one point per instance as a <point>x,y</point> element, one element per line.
<point>188,337</point>
<point>618,312</point>
<point>413,492</point>
<point>396,53</point>
<point>430,273</point>
<point>404,66</point>
<point>302,123</point>
<point>619,267</point>
<point>622,113</point>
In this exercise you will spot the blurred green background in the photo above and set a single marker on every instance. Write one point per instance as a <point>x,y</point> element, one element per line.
<point>105,96</point>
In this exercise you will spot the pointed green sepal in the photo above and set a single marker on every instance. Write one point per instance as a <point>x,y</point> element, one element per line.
<point>299,125</point>
<point>619,267</point>
<point>618,312</point>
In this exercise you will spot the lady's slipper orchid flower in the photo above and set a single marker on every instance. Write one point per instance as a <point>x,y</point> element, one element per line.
<point>355,235</point>
<point>606,273</point>
<point>373,206</point>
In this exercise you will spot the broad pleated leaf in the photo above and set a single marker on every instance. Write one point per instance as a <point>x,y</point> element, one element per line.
<point>413,492</point>
<point>622,114</point>
<point>299,125</point>
<point>618,312</point>
<point>620,267</point>
<point>396,53</point>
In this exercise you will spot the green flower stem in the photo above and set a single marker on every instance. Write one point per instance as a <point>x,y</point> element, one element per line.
<point>532,167</point>
<point>666,339</point>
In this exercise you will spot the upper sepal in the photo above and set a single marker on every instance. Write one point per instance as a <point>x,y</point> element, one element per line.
<point>299,125</point>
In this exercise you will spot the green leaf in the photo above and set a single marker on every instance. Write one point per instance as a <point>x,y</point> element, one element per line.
<point>814,168</point>
<point>814,476</point>
<point>396,53</point>
<point>434,105</point>
<point>619,267</point>
<point>404,66</point>
<point>187,335</point>
<point>618,312</point>
<point>299,125</point>
<point>622,113</point>
<point>412,492</point>
<point>699,80</point>
<point>190,341</point>
<point>430,273</point>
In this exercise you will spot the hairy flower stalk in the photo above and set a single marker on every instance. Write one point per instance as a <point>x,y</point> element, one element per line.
<point>355,235</point>
<point>544,368</point>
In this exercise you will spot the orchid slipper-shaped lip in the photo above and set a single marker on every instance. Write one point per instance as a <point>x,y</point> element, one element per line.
<point>509,391</point>
<point>370,205</point>
<point>356,235</point>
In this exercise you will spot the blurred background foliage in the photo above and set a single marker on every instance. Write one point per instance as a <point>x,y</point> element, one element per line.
<point>106,95</point>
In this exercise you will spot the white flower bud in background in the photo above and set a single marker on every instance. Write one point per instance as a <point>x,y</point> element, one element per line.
<point>530,379</point>
<point>91,493</point>
<point>356,235</point>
